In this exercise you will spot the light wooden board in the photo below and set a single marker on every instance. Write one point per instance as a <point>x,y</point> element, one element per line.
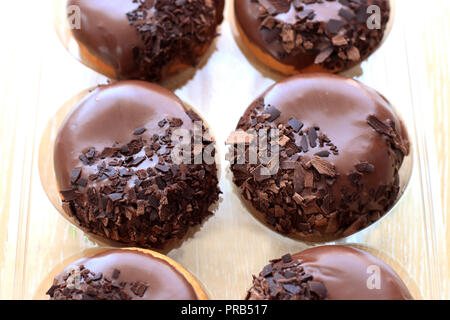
<point>37,75</point>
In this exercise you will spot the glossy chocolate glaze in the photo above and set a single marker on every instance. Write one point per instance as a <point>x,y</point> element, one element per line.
<point>247,16</point>
<point>107,34</point>
<point>165,283</point>
<point>109,115</point>
<point>344,272</point>
<point>340,107</point>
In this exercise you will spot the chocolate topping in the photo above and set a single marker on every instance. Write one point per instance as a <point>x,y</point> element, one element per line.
<point>341,147</point>
<point>299,33</point>
<point>121,275</point>
<point>285,279</point>
<point>148,40</point>
<point>117,180</point>
<point>328,272</point>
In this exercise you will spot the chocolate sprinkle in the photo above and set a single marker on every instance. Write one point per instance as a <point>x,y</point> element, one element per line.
<point>285,279</point>
<point>75,175</point>
<point>295,124</point>
<point>308,198</point>
<point>138,197</point>
<point>80,283</point>
<point>273,112</point>
<point>335,44</point>
<point>139,131</point>
<point>166,26</point>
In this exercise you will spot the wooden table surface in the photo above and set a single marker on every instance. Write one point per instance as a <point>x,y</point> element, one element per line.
<point>37,75</point>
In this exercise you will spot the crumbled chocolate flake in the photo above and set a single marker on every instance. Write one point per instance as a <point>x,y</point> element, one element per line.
<point>137,161</point>
<point>323,154</point>
<point>176,123</point>
<point>162,168</point>
<point>323,167</point>
<point>353,54</point>
<point>267,271</point>
<point>379,125</point>
<point>75,175</point>
<point>312,135</point>
<point>139,131</point>
<point>276,6</point>
<point>304,144</point>
<point>346,14</point>
<point>273,112</point>
<point>80,283</point>
<point>139,288</point>
<point>308,197</point>
<point>70,195</point>
<point>116,274</point>
<point>286,258</point>
<point>389,131</point>
<point>137,195</point>
<point>365,167</point>
<point>164,27</point>
<point>306,14</point>
<point>336,44</point>
<point>162,123</point>
<point>323,55</point>
<point>115,196</point>
<point>334,25</point>
<point>295,124</point>
<point>318,288</point>
<point>339,40</point>
<point>286,279</point>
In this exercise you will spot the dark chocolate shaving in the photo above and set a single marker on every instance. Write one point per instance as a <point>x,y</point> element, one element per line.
<point>172,33</point>
<point>295,124</point>
<point>273,112</point>
<point>336,44</point>
<point>80,283</point>
<point>308,197</point>
<point>137,195</point>
<point>285,279</point>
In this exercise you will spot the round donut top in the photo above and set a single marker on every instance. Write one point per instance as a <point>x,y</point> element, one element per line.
<point>350,273</point>
<point>126,170</point>
<point>341,146</point>
<point>329,272</point>
<point>109,116</point>
<point>140,38</point>
<point>340,108</point>
<point>130,273</point>
<point>300,33</point>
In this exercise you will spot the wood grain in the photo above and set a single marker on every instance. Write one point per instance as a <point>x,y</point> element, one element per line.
<point>38,76</point>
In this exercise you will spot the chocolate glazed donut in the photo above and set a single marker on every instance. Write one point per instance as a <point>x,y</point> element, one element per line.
<point>328,272</point>
<point>293,36</point>
<point>125,274</point>
<point>341,148</point>
<point>146,40</point>
<point>116,173</point>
